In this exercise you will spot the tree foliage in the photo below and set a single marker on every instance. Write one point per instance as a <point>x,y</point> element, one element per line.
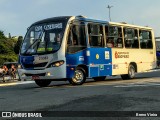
<point>8,58</point>
<point>9,48</point>
<point>6,46</point>
<point>2,36</point>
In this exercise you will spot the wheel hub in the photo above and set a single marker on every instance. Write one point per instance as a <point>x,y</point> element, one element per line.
<point>78,76</point>
<point>132,72</point>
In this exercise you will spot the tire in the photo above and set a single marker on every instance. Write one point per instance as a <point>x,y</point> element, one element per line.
<point>102,78</point>
<point>131,73</point>
<point>79,77</point>
<point>42,83</point>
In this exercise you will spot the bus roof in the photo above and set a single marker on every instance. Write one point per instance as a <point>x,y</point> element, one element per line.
<point>61,18</point>
<point>129,25</point>
<point>66,18</point>
<point>85,19</point>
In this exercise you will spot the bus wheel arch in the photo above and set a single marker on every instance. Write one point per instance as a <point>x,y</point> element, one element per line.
<point>85,68</point>
<point>79,76</point>
<point>134,65</point>
<point>132,69</point>
<point>42,83</point>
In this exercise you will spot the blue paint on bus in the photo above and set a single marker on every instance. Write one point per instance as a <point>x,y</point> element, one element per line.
<point>27,62</point>
<point>96,61</point>
<point>158,58</point>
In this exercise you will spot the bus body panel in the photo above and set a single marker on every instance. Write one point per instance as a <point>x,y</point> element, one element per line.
<point>100,62</point>
<point>144,59</point>
<point>73,60</point>
<point>39,65</point>
<point>97,60</point>
<point>55,73</point>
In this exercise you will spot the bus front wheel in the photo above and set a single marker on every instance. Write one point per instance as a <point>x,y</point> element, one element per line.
<point>79,77</point>
<point>42,83</point>
<point>131,73</point>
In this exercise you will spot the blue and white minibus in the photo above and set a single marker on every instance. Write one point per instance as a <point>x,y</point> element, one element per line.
<point>74,48</point>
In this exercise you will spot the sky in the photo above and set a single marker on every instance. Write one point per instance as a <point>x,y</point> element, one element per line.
<point>17,15</point>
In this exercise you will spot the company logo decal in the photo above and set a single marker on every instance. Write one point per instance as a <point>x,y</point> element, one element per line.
<point>81,58</point>
<point>97,56</point>
<point>107,56</point>
<point>121,54</point>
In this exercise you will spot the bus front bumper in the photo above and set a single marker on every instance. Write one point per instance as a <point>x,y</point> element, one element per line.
<point>56,73</point>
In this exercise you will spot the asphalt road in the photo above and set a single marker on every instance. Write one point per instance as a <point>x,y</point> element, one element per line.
<point>111,97</point>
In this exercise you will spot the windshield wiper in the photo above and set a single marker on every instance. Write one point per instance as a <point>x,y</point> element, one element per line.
<point>36,40</point>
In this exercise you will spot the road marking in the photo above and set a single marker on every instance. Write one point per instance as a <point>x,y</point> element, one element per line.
<point>118,83</point>
<point>115,83</point>
<point>16,83</point>
<point>138,85</point>
<point>25,82</point>
<point>7,84</point>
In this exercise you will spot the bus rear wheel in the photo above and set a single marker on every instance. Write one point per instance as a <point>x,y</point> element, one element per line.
<point>131,73</point>
<point>43,83</point>
<point>79,77</point>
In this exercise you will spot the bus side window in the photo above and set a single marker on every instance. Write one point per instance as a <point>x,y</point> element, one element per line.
<point>145,39</point>
<point>109,37</point>
<point>74,35</point>
<point>110,42</point>
<point>135,40</point>
<point>101,39</point>
<point>76,38</point>
<point>114,36</point>
<point>96,36</point>
<point>131,38</point>
<point>126,38</point>
<point>119,41</point>
<point>69,41</point>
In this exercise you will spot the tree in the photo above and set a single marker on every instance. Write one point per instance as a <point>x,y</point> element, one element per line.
<point>2,36</point>
<point>7,46</point>
<point>7,53</point>
<point>18,45</point>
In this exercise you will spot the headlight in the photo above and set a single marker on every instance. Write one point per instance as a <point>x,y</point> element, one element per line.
<point>23,75</point>
<point>19,66</point>
<point>57,64</point>
<point>48,74</point>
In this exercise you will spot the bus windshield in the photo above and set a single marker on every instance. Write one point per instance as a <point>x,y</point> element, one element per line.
<point>43,38</point>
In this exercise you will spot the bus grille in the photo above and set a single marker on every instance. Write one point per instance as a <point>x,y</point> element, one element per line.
<point>41,74</point>
<point>35,65</point>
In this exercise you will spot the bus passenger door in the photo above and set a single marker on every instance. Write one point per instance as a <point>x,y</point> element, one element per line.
<point>76,48</point>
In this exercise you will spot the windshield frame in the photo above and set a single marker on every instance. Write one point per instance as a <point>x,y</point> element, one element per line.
<point>42,32</point>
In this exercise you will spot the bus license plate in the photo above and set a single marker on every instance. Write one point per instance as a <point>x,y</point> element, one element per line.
<point>35,77</point>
